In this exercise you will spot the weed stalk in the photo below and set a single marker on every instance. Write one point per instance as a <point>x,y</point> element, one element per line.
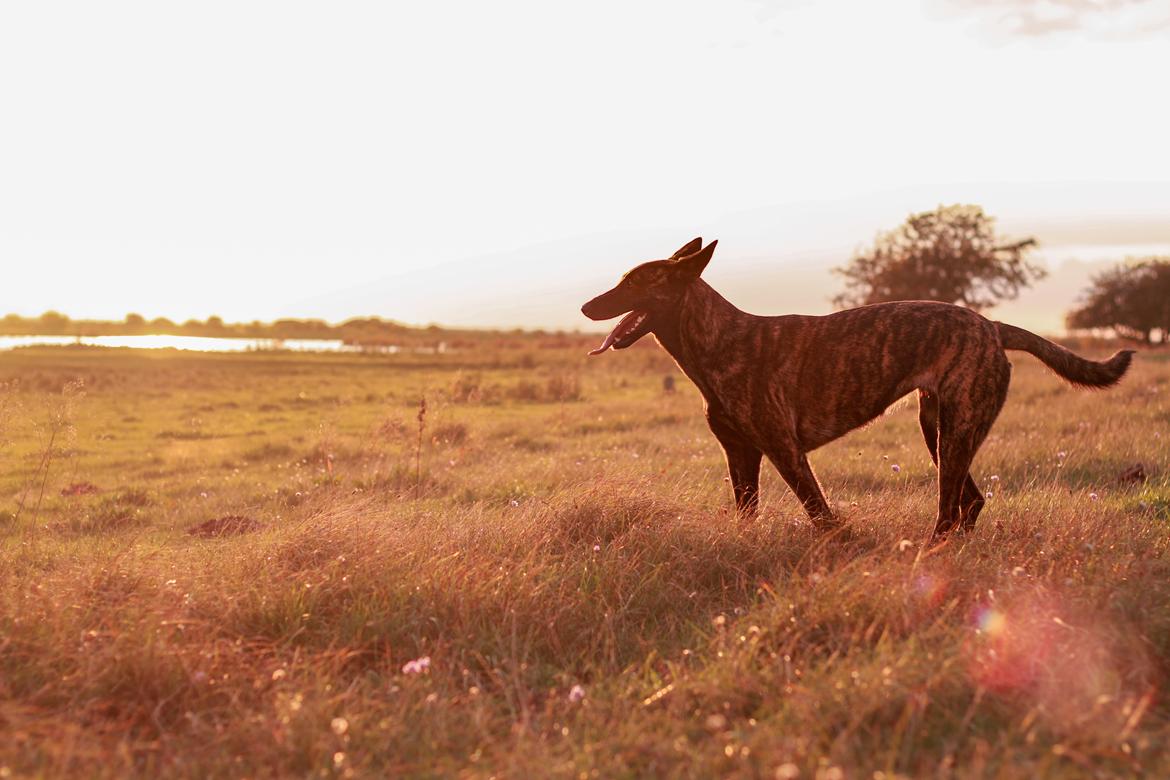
<point>422,424</point>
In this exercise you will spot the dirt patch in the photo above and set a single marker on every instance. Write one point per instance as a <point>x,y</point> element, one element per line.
<point>1134,475</point>
<point>80,489</point>
<point>228,525</point>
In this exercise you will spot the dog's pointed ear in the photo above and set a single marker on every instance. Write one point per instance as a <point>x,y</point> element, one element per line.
<point>689,248</point>
<point>692,265</point>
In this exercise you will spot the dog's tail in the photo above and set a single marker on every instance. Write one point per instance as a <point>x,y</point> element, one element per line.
<point>1074,368</point>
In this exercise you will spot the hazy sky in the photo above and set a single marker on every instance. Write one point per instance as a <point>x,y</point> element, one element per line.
<point>494,162</point>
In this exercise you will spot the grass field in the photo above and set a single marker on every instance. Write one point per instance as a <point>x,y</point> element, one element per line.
<point>265,565</point>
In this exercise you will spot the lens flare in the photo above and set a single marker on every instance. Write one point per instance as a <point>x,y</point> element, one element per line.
<point>1080,670</point>
<point>990,621</point>
<point>931,589</point>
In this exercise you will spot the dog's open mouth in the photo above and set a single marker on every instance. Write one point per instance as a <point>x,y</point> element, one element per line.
<point>630,329</point>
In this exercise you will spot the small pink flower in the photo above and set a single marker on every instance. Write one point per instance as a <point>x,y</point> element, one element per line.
<point>895,468</point>
<point>576,693</point>
<point>417,666</point>
<point>1093,496</point>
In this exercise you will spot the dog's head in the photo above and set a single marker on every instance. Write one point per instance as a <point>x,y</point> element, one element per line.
<point>647,294</point>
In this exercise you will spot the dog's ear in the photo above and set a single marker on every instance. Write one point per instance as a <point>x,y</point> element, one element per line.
<point>692,265</point>
<point>689,248</point>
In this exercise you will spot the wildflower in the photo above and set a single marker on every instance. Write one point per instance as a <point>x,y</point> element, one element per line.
<point>339,726</point>
<point>895,468</point>
<point>990,494</point>
<point>1062,454</point>
<point>417,666</point>
<point>1093,496</point>
<point>576,693</point>
<point>995,477</point>
<point>597,548</point>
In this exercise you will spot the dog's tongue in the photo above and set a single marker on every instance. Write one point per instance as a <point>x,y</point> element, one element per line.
<point>604,345</point>
<point>619,330</point>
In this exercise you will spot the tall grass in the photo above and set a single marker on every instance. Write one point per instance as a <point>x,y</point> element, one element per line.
<point>590,607</point>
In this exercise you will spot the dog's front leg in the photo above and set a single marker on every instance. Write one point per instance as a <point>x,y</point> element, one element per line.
<point>794,468</point>
<point>743,465</point>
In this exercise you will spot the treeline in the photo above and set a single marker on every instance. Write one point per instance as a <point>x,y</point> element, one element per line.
<point>365,331</point>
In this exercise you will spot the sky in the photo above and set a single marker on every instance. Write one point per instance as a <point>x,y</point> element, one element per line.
<point>496,164</point>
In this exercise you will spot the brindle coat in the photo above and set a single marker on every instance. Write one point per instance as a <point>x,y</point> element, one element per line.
<point>783,386</point>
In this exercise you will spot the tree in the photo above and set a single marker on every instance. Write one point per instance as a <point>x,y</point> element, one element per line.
<point>53,323</point>
<point>950,254</point>
<point>1132,299</point>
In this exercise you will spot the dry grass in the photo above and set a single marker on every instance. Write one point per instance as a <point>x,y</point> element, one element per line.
<point>587,603</point>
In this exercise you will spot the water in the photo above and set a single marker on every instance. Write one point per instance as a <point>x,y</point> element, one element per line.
<point>192,343</point>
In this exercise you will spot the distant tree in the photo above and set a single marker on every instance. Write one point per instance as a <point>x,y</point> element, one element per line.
<point>951,254</point>
<point>1132,299</point>
<point>214,323</point>
<point>53,323</point>
<point>135,323</point>
<point>162,325</point>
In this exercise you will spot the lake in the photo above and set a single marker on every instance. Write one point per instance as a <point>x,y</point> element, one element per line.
<point>193,343</point>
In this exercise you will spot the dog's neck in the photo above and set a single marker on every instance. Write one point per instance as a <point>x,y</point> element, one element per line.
<point>703,332</point>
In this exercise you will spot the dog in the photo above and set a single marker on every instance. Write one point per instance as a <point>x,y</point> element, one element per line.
<point>783,386</point>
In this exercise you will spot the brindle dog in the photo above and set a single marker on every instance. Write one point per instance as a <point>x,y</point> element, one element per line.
<point>783,386</point>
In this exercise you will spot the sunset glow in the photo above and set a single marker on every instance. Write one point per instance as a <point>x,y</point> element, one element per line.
<point>483,164</point>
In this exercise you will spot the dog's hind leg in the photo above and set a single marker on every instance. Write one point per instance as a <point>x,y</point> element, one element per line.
<point>966,413</point>
<point>956,450</point>
<point>970,499</point>
<point>793,467</point>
